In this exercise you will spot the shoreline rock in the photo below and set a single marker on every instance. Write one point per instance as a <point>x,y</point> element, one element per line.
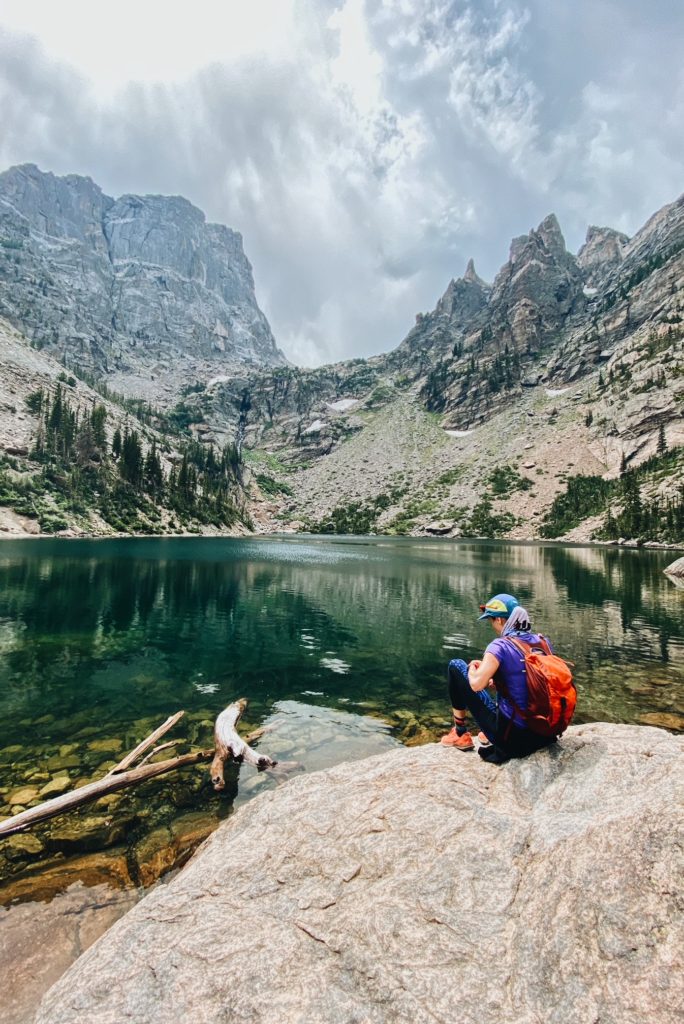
<point>400,887</point>
<point>675,572</point>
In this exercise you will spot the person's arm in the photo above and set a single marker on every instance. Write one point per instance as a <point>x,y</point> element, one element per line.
<point>480,674</point>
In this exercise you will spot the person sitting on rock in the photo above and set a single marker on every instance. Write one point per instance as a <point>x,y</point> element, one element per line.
<point>503,731</point>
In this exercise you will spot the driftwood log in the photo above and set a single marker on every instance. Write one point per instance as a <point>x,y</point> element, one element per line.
<point>228,745</point>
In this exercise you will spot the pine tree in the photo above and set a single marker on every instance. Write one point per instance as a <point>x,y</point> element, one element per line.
<point>661,447</point>
<point>131,463</point>
<point>54,419</point>
<point>86,449</point>
<point>116,443</point>
<point>153,473</point>
<point>98,418</point>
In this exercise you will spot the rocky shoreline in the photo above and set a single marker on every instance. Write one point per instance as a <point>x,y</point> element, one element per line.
<point>652,545</point>
<point>401,886</point>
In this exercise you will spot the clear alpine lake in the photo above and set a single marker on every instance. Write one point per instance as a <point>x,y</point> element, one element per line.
<point>340,645</point>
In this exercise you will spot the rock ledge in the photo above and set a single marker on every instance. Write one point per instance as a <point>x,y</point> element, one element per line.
<point>419,886</point>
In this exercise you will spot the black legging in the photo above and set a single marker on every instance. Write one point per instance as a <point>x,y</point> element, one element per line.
<point>509,740</point>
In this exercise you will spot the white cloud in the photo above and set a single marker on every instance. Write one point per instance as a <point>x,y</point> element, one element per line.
<point>365,148</point>
<point>153,41</point>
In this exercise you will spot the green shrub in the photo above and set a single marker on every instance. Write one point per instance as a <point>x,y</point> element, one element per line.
<point>483,522</point>
<point>271,486</point>
<point>506,480</point>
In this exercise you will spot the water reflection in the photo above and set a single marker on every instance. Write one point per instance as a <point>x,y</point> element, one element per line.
<point>125,629</point>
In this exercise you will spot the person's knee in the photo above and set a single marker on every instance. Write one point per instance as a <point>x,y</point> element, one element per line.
<point>458,665</point>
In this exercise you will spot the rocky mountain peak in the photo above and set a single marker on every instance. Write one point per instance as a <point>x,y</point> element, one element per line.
<point>69,207</point>
<point>463,299</point>
<point>139,287</point>
<point>539,286</point>
<point>472,277</point>
<point>544,241</point>
<point>601,253</point>
<point>655,245</point>
<point>549,231</point>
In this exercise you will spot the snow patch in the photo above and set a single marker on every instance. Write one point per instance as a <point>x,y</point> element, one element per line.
<point>458,433</point>
<point>343,404</point>
<point>314,427</point>
<point>555,392</point>
<point>589,292</point>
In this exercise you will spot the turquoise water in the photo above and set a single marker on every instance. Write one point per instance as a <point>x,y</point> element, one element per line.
<point>116,631</point>
<point>340,644</point>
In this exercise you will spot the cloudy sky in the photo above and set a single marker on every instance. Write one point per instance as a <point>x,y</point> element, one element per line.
<point>365,148</point>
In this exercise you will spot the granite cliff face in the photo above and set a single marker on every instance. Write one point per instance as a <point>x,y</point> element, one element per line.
<point>601,253</point>
<point>138,288</point>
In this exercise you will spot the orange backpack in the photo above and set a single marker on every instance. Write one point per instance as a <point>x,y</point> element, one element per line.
<point>551,693</point>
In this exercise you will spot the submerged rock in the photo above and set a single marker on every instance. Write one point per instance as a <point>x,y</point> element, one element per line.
<point>59,784</point>
<point>45,880</point>
<point>21,847</point>
<point>87,833</point>
<point>416,886</point>
<point>22,796</point>
<point>167,846</point>
<point>60,762</point>
<point>111,745</point>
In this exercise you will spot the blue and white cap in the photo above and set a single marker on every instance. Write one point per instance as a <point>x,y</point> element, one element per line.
<point>499,607</point>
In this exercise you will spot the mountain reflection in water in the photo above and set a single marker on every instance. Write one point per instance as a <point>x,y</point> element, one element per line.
<point>121,630</point>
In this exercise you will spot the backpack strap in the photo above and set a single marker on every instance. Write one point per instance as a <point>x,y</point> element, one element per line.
<point>521,646</point>
<point>525,645</point>
<point>543,643</point>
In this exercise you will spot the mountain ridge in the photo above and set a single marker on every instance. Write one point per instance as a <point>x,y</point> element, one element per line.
<point>488,386</point>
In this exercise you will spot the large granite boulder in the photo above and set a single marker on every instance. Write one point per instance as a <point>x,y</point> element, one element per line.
<point>419,886</point>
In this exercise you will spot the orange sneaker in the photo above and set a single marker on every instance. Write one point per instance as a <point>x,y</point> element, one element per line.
<point>484,739</point>
<point>452,739</point>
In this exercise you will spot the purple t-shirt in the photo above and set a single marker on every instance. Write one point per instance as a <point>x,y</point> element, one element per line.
<point>511,672</point>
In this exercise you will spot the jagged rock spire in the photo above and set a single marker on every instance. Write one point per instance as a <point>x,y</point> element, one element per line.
<point>550,232</point>
<point>472,276</point>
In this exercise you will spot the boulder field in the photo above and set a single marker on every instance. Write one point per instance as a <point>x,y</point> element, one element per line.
<point>422,885</point>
